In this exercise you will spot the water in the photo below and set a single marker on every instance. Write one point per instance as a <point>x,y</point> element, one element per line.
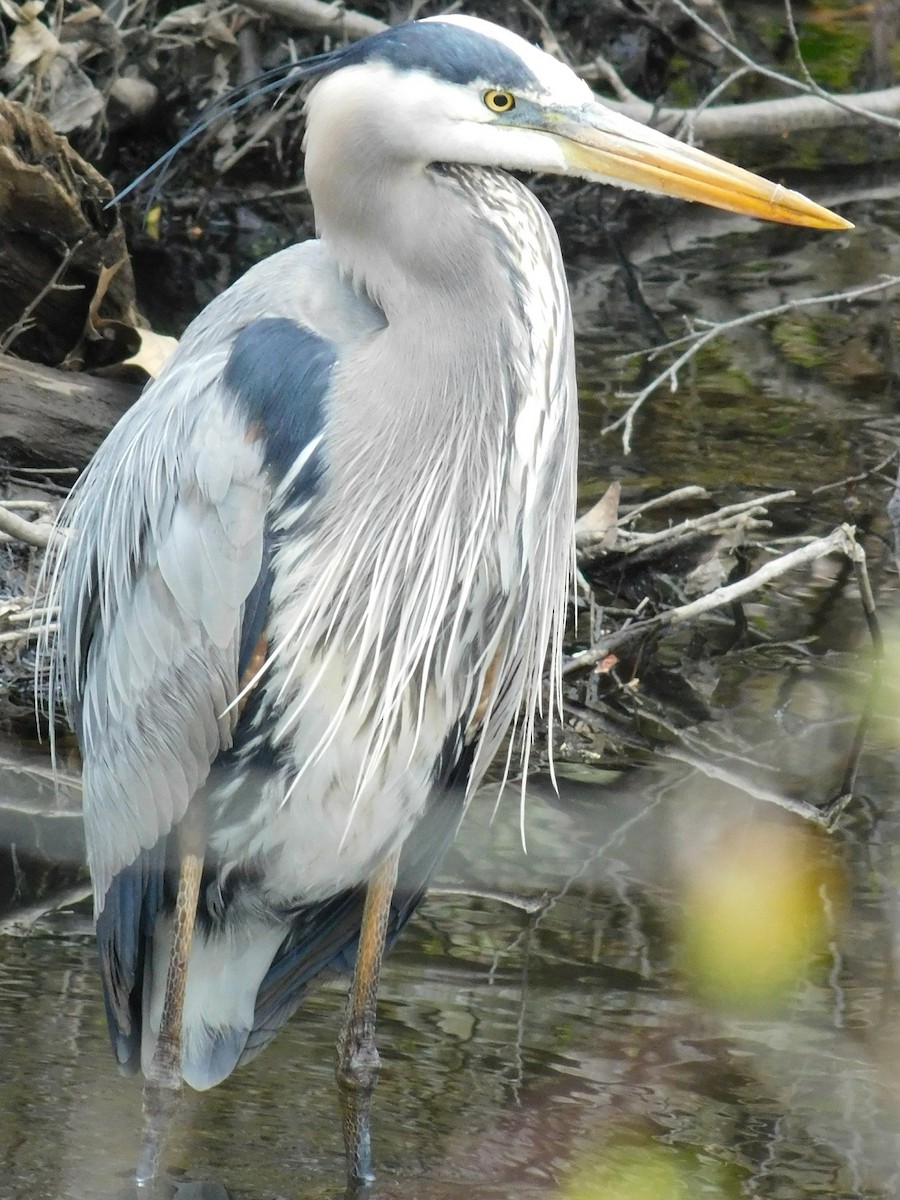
<point>518,1046</point>
<point>552,1020</point>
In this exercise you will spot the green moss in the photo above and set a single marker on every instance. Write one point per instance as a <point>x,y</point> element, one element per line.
<point>833,52</point>
<point>798,339</point>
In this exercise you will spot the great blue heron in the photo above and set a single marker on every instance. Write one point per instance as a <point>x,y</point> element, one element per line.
<point>311,578</point>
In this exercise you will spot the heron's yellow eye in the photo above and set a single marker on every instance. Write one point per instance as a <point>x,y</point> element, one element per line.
<point>500,102</point>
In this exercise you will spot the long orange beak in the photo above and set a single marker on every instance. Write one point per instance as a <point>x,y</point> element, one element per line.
<point>602,145</point>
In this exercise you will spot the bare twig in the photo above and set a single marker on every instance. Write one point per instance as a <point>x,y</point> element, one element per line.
<point>867,598</point>
<point>699,339</point>
<point>44,471</point>
<point>43,506</point>
<point>714,522</point>
<point>34,769</point>
<point>24,920</point>
<point>31,532</point>
<point>23,323</point>
<point>28,634</point>
<point>860,477</point>
<point>693,114</point>
<point>29,614</point>
<point>857,111</point>
<point>599,68</point>
<point>691,491</point>
<point>526,904</point>
<point>261,131</point>
<point>839,541</point>
<point>745,783</point>
<point>549,39</point>
<point>798,52</point>
<point>815,87</point>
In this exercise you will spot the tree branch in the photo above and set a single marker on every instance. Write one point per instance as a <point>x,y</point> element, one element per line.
<point>858,109</point>
<point>767,117</point>
<point>31,532</point>
<point>839,541</point>
<point>318,15</point>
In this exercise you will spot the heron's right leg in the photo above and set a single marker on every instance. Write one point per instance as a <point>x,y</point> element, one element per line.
<point>162,1087</point>
<point>358,1062</point>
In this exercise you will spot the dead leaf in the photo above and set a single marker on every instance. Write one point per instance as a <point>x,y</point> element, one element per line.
<point>156,349</point>
<point>597,529</point>
<point>74,101</point>
<point>195,21</point>
<point>30,43</point>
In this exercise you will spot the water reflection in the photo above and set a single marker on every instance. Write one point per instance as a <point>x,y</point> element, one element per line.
<point>525,1043</point>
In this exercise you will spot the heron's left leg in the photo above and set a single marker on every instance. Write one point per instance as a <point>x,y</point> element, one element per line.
<point>358,1062</point>
<point>162,1087</point>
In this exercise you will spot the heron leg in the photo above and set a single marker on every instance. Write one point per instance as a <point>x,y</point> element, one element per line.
<point>162,1087</point>
<point>358,1062</point>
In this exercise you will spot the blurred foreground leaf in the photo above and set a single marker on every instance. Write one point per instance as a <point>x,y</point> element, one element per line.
<point>759,909</point>
<point>651,1171</point>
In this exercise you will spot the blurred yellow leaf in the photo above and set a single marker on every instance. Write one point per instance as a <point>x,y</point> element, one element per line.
<point>650,1171</point>
<point>152,221</point>
<point>758,909</point>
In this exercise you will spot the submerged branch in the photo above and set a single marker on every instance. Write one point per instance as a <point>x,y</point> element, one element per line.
<point>699,338</point>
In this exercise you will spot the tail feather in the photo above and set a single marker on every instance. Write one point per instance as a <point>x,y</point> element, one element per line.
<point>124,932</point>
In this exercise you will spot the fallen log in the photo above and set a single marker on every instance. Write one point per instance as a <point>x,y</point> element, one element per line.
<point>56,418</point>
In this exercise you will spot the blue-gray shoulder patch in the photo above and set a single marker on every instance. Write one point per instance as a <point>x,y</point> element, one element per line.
<point>278,374</point>
<point>447,51</point>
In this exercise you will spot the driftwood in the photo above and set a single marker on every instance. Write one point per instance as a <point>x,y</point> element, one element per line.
<point>766,118</point>
<point>66,287</point>
<point>56,417</point>
<point>320,16</point>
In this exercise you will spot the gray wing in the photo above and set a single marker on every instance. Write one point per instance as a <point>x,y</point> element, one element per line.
<point>160,580</point>
<point>166,536</point>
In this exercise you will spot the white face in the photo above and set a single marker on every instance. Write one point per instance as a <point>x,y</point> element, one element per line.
<point>412,116</point>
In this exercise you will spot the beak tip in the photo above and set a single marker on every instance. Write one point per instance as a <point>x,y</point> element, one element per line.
<point>813,216</point>
<point>837,222</point>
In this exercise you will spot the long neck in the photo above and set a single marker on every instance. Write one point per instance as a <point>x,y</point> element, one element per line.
<point>450,444</point>
<point>410,238</point>
<point>426,245</point>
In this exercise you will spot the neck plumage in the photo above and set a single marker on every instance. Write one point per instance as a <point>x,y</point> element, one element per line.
<point>454,356</point>
<point>459,416</point>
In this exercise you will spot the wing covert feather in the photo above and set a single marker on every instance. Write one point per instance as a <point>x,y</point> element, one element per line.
<point>167,534</point>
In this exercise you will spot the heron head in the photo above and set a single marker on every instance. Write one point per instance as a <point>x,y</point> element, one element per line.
<point>461,89</point>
